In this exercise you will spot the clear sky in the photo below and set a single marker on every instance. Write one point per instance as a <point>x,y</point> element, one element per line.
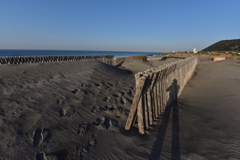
<point>117,25</point>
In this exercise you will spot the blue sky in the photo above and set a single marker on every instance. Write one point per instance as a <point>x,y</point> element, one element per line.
<point>114,25</point>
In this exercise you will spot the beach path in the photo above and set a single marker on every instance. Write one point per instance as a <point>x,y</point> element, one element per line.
<point>209,109</point>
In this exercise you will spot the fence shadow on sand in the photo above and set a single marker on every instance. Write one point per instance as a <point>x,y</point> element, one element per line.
<point>170,122</point>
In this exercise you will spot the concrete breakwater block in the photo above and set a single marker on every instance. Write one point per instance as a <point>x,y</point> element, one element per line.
<point>218,58</point>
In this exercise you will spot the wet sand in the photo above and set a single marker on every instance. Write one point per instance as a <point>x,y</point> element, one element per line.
<point>77,110</point>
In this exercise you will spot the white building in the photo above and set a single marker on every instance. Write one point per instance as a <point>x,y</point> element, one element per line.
<point>194,50</point>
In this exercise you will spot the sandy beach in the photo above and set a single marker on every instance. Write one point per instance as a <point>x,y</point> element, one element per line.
<point>209,112</point>
<point>77,110</point>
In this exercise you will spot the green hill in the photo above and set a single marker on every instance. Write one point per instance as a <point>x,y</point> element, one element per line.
<point>225,45</point>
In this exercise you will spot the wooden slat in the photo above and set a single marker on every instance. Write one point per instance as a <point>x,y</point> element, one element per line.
<point>138,94</point>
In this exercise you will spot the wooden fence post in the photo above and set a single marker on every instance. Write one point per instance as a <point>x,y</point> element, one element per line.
<point>152,94</point>
<point>138,94</point>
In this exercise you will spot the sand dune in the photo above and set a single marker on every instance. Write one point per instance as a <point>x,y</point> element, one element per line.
<point>137,65</point>
<point>54,108</point>
<point>77,110</point>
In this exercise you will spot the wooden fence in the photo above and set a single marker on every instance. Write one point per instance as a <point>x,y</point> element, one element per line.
<point>156,89</point>
<point>108,59</point>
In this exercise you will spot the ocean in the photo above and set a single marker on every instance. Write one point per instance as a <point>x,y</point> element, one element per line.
<point>13,53</point>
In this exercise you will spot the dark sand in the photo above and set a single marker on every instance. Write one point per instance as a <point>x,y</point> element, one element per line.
<point>209,109</point>
<point>62,109</point>
<point>77,110</point>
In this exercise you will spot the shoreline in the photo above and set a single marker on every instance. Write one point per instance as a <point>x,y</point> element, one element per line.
<point>11,53</point>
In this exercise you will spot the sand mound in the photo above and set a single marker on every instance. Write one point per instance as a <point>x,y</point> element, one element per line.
<point>49,109</point>
<point>135,65</point>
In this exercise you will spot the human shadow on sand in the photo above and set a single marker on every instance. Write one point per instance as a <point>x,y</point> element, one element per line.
<point>170,117</point>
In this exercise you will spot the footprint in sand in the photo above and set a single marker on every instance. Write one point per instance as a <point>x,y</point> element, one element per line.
<point>88,147</point>
<point>76,91</point>
<point>106,99</point>
<point>83,127</point>
<point>96,109</point>
<point>109,84</point>
<point>38,137</point>
<point>41,156</point>
<point>104,85</point>
<point>112,109</point>
<point>79,92</point>
<point>116,95</point>
<point>110,100</point>
<point>47,134</point>
<point>115,110</point>
<point>130,92</point>
<point>58,155</point>
<point>97,84</point>
<point>66,111</point>
<point>60,100</point>
<point>121,93</point>
<point>122,100</point>
<point>62,112</point>
<point>126,96</point>
<point>106,123</point>
<point>85,85</point>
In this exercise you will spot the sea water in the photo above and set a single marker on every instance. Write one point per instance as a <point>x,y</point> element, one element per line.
<point>13,53</point>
